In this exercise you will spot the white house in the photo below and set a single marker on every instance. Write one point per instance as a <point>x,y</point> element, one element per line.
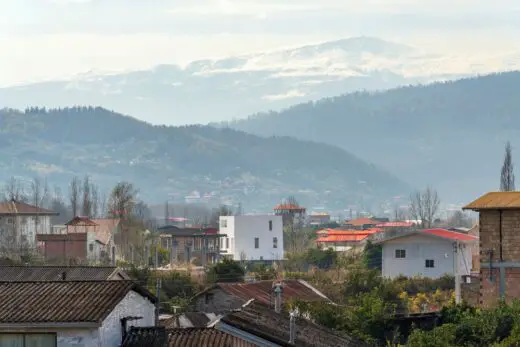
<point>20,222</point>
<point>91,313</point>
<point>429,253</point>
<point>252,237</point>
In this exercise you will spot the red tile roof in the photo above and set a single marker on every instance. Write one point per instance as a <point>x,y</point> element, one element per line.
<point>262,291</point>
<point>63,301</point>
<point>289,207</point>
<point>16,207</point>
<point>395,225</point>
<point>342,238</point>
<point>451,235</point>
<point>362,221</point>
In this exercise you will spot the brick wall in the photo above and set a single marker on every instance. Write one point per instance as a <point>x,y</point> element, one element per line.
<point>490,240</point>
<point>470,292</point>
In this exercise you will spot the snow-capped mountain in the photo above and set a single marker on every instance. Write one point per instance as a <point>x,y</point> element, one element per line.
<point>222,89</point>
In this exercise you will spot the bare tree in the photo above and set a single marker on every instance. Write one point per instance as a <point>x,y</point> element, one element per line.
<point>13,190</point>
<point>507,177</point>
<point>39,196</point>
<point>94,197</point>
<point>424,206</point>
<point>74,195</point>
<point>122,200</point>
<point>86,204</point>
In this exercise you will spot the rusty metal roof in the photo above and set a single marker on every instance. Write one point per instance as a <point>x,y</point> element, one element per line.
<point>185,337</point>
<point>495,201</point>
<point>63,301</point>
<point>54,273</point>
<point>21,208</point>
<point>262,291</point>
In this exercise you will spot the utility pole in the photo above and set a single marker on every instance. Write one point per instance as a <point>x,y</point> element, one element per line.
<point>457,275</point>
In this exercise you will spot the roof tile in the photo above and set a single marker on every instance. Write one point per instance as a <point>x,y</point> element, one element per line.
<point>495,201</point>
<point>16,207</point>
<point>54,273</point>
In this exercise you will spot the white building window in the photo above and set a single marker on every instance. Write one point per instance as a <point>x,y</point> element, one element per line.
<point>430,263</point>
<point>91,247</point>
<point>270,225</point>
<point>28,340</point>
<point>257,242</point>
<point>223,223</point>
<point>400,253</point>
<point>275,242</point>
<point>227,242</point>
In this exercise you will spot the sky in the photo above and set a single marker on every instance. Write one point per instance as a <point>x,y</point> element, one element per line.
<point>55,39</point>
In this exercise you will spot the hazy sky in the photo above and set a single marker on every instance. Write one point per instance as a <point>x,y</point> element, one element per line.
<point>47,39</point>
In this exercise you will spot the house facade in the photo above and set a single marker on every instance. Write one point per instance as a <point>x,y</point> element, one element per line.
<point>498,228</point>
<point>21,222</point>
<point>83,241</point>
<point>427,253</point>
<point>252,237</point>
<point>93,313</point>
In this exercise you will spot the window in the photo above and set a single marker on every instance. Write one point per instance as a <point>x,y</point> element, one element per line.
<point>400,253</point>
<point>270,225</point>
<point>223,223</point>
<point>430,263</point>
<point>227,242</point>
<point>257,242</point>
<point>10,221</point>
<point>275,242</point>
<point>91,247</point>
<point>28,340</point>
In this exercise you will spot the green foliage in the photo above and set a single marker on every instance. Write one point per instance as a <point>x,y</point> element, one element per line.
<point>323,259</point>
<point>226,271</point>
<point>372,256</point>
<point>263,272</point>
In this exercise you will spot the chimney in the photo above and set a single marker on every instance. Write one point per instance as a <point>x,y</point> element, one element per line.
<point>278,297</point>
<point>292,327</point>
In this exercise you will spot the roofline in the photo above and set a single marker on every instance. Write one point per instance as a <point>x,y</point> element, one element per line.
<point>418,232</point>
<point>255,338</point>
<point>476,209</point>
<point>50,213</point>
<point>43,325</point>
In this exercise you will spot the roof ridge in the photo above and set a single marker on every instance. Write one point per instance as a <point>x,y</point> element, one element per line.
<point>73,281</point>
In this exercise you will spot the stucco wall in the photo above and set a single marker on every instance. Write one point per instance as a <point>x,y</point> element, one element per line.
<point>132,305</point>
<point>78,338</point>
<point>418,249</point>
<point>242,231</point>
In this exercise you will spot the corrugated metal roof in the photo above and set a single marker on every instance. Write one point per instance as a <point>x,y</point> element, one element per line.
<point>187,337</point>
<point>264,322</point>
<point>495,201</point>
<point>63,301</point>
<point>262,291</point>
<point>55,273</point>
<point>451,235</point>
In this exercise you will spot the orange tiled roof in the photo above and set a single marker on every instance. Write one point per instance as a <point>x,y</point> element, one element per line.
<point>495,201</point>
<point>361,222</point>
<point>16,207</point>
<point>343,238</point>
<point>289,207</point>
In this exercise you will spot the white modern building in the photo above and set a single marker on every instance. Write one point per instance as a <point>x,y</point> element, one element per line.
<point>252,237</point>
<point>427,253</point>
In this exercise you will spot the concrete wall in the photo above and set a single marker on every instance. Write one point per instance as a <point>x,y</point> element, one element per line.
<point>419,248</point>
<point>132,305</point>
<point>242,231</point>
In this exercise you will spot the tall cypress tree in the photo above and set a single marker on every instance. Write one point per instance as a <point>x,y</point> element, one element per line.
<point>507,177</point>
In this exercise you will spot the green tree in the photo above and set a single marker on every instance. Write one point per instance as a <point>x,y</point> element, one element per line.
<point>372,256</point>
<point>226,271</point>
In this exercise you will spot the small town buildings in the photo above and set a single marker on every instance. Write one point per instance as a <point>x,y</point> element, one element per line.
<point>20,222</point>
<point>252,237</point>
<point>499,230</point>
<point>344,240</point>
<point>319,218</point>
<point>84,241</point>
<point>253,324</point>
<point>389,226</point>
<point>72,313</point>
<point>361,223</point>
<point>23,273</point>
<point>200,245</point>
<point>224,297</point>
<point>429,253</point>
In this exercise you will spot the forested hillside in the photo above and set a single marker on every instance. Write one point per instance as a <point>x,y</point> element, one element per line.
<point>449,135</point>
<point>171,162</point>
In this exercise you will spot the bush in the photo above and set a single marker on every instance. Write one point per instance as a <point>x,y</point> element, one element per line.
<point>226,271</point>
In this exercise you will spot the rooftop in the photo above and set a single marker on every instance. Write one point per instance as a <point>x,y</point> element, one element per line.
<point>186,337</point>
<point>395,225</point>
<point>495,201</point>
<point>55,273</point>
<point>262,291</point>
<point>261,321</point>
<point>436,232</point>
<point>362,221</point>
<point>63,301</point>
<point>289,207</point>
<point>16,208</point>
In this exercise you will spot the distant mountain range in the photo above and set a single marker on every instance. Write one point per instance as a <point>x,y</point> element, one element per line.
<point>450,135</point>
<point>224,89</point>
<point>200,162</point>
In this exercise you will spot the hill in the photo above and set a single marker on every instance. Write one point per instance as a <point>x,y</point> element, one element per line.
<point>237,86</point>
<point>449,135</point>
<point>223,165</point>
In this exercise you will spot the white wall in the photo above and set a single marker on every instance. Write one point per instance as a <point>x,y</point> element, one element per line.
<point>132,305</point>
<point>242,231</point>
<point>418,249</point>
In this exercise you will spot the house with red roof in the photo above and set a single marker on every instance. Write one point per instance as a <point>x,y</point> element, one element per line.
<point>428,253</point>
<point>343,240</point>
